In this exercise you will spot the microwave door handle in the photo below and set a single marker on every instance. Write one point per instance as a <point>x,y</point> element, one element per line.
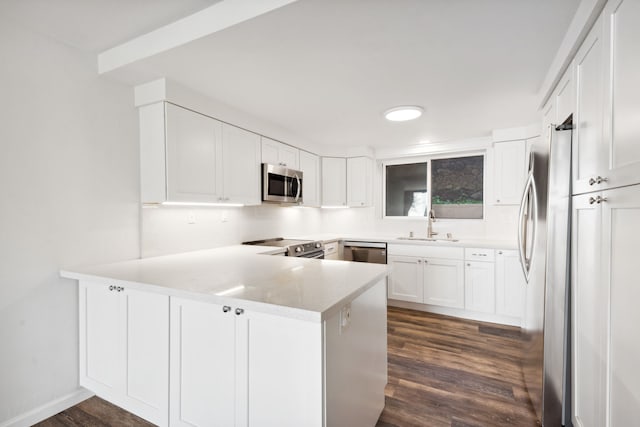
<point>299,187</point>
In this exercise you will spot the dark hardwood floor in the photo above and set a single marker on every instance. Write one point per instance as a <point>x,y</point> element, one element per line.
<point>443,371</point>
<point>452,372</point>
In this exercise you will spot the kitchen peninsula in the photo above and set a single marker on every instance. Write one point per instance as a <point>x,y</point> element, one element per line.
<point>235,336</point>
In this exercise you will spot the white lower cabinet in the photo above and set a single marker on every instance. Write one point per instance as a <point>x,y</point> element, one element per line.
<point>474,283</point>
<point>444,282</point>
<point>405,282</point>
<point>479,286</point>
<point>605,288</point>
<point>124,338</point>
<point>510,285</point>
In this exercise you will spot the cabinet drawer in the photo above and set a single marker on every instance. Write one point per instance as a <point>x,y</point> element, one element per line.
<point>426,251</point>
<point>479,254</point>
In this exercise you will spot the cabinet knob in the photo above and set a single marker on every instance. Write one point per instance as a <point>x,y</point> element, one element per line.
<point>499,252</point>
<point>600,199</point>
<point>239,311</point>
<point>226,309</point>
<point>111,287</point>
<point>592,181</point>
<point>600,180</point>
<point>498,201</point>
<point>592,200</point>
<point>468,265</point>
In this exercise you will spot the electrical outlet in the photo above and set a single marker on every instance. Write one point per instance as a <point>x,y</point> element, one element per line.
<point>191,218</point>
<point>345,318</point>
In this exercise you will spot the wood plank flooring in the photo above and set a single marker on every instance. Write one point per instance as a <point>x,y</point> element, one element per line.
<point>443,371</point>
<point>452,372</point>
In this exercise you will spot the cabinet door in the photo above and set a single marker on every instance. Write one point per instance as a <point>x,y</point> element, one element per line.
<point>310,167</point>
<point>589,150</point>
<point>101,358</point>
<point>147,356</point>
<point>241,154</point>
<point>277,153</point>
<point>405,280</point>
<point>510,284</point>
<point>203,364</point>
<point>589,312</point>
<point>359,181</point>
<point>334,181</point>
<point>444,282</point>
<point>479,286</point>
<point>621,234</point>
<point>565,96</point>
<point>193,156</point>
<point>282,384</point>
<point>509,172</point>
<point>622,93</point>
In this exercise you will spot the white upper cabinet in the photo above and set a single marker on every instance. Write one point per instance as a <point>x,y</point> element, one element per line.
<point>189,157</point>
<point>310,167</point>
<point>589,150</point>
<point>607,152</point>
<point>565,98</point>
<point>509,172</point>
<point>194,156</point>
<point>241,154</point>
<point>277,153</point>
<point>359,181</point>
<point>334,181</point>
<point>622,94</point>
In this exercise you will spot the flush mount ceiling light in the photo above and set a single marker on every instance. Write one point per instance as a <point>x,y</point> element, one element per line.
<point>403,113</point>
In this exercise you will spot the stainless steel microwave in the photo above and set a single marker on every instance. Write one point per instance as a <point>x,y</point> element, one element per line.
<point>281,184</point>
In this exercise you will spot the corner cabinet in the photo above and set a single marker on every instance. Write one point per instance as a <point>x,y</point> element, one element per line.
<point>334,181</point>
<point>124,338</point>
<point>192,158</point>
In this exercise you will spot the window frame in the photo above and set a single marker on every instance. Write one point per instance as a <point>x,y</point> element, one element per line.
<point>427,159</point>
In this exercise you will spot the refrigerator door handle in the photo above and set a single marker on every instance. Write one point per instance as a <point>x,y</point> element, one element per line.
<point>528,213</point>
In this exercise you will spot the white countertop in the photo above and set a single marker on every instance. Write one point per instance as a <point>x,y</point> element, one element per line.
<point>394,239</point>
<point>241,276</point>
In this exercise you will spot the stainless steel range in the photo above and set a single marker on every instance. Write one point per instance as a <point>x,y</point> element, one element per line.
<point>294,247</point>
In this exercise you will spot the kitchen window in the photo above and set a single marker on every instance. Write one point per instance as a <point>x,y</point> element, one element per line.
<point>451,186</point>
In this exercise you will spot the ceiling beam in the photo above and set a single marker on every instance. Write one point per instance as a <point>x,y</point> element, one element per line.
<point>203,23</point>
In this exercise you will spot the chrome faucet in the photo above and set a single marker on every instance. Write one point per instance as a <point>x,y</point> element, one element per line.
<point>432,218</point>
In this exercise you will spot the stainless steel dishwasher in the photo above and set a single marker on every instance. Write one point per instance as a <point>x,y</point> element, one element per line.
<point>373,252</point>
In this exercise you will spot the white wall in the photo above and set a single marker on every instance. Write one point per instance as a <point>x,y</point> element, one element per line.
<point>68,195</point>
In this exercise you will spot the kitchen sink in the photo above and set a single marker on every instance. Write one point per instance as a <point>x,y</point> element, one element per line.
<point>428,239</point>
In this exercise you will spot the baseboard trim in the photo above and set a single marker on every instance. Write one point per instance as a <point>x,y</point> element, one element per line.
<point>47,410</point>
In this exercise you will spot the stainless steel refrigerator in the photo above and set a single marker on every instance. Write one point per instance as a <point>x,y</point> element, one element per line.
<point>544,244</point>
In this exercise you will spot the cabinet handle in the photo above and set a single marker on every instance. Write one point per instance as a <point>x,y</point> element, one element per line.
<point>226,309</point>
<point>600,180</point>
<point>498,201</point>
<point>111,287</point>
<point>239,311</point>
<point>600,199</point>
<point>592,181</point>
<point>419,261</point>
<point>119,289</point>
<point>499,252</point>
<point>592,200</point>
<point>468,265</point>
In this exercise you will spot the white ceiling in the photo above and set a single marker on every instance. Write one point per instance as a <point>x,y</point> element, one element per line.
<point>327,69</point>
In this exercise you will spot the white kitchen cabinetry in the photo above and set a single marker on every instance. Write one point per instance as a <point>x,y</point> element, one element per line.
<point>479,286</point>
<point>310,167</point>
<point>124,337</point>
<point>359,181</point>
<point>334,181</point>
<point>227,367</point>
<point>231,367</point>
<point>606,381</point>
<point>277,153</point>
<point>406,279</point>
<point>509,172</point>
<point>241,156</point>
<point>332,251</point>
<point>510,284</point>
<point>189,157</point>
<point>444,282</point>
<point>607,153</point>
